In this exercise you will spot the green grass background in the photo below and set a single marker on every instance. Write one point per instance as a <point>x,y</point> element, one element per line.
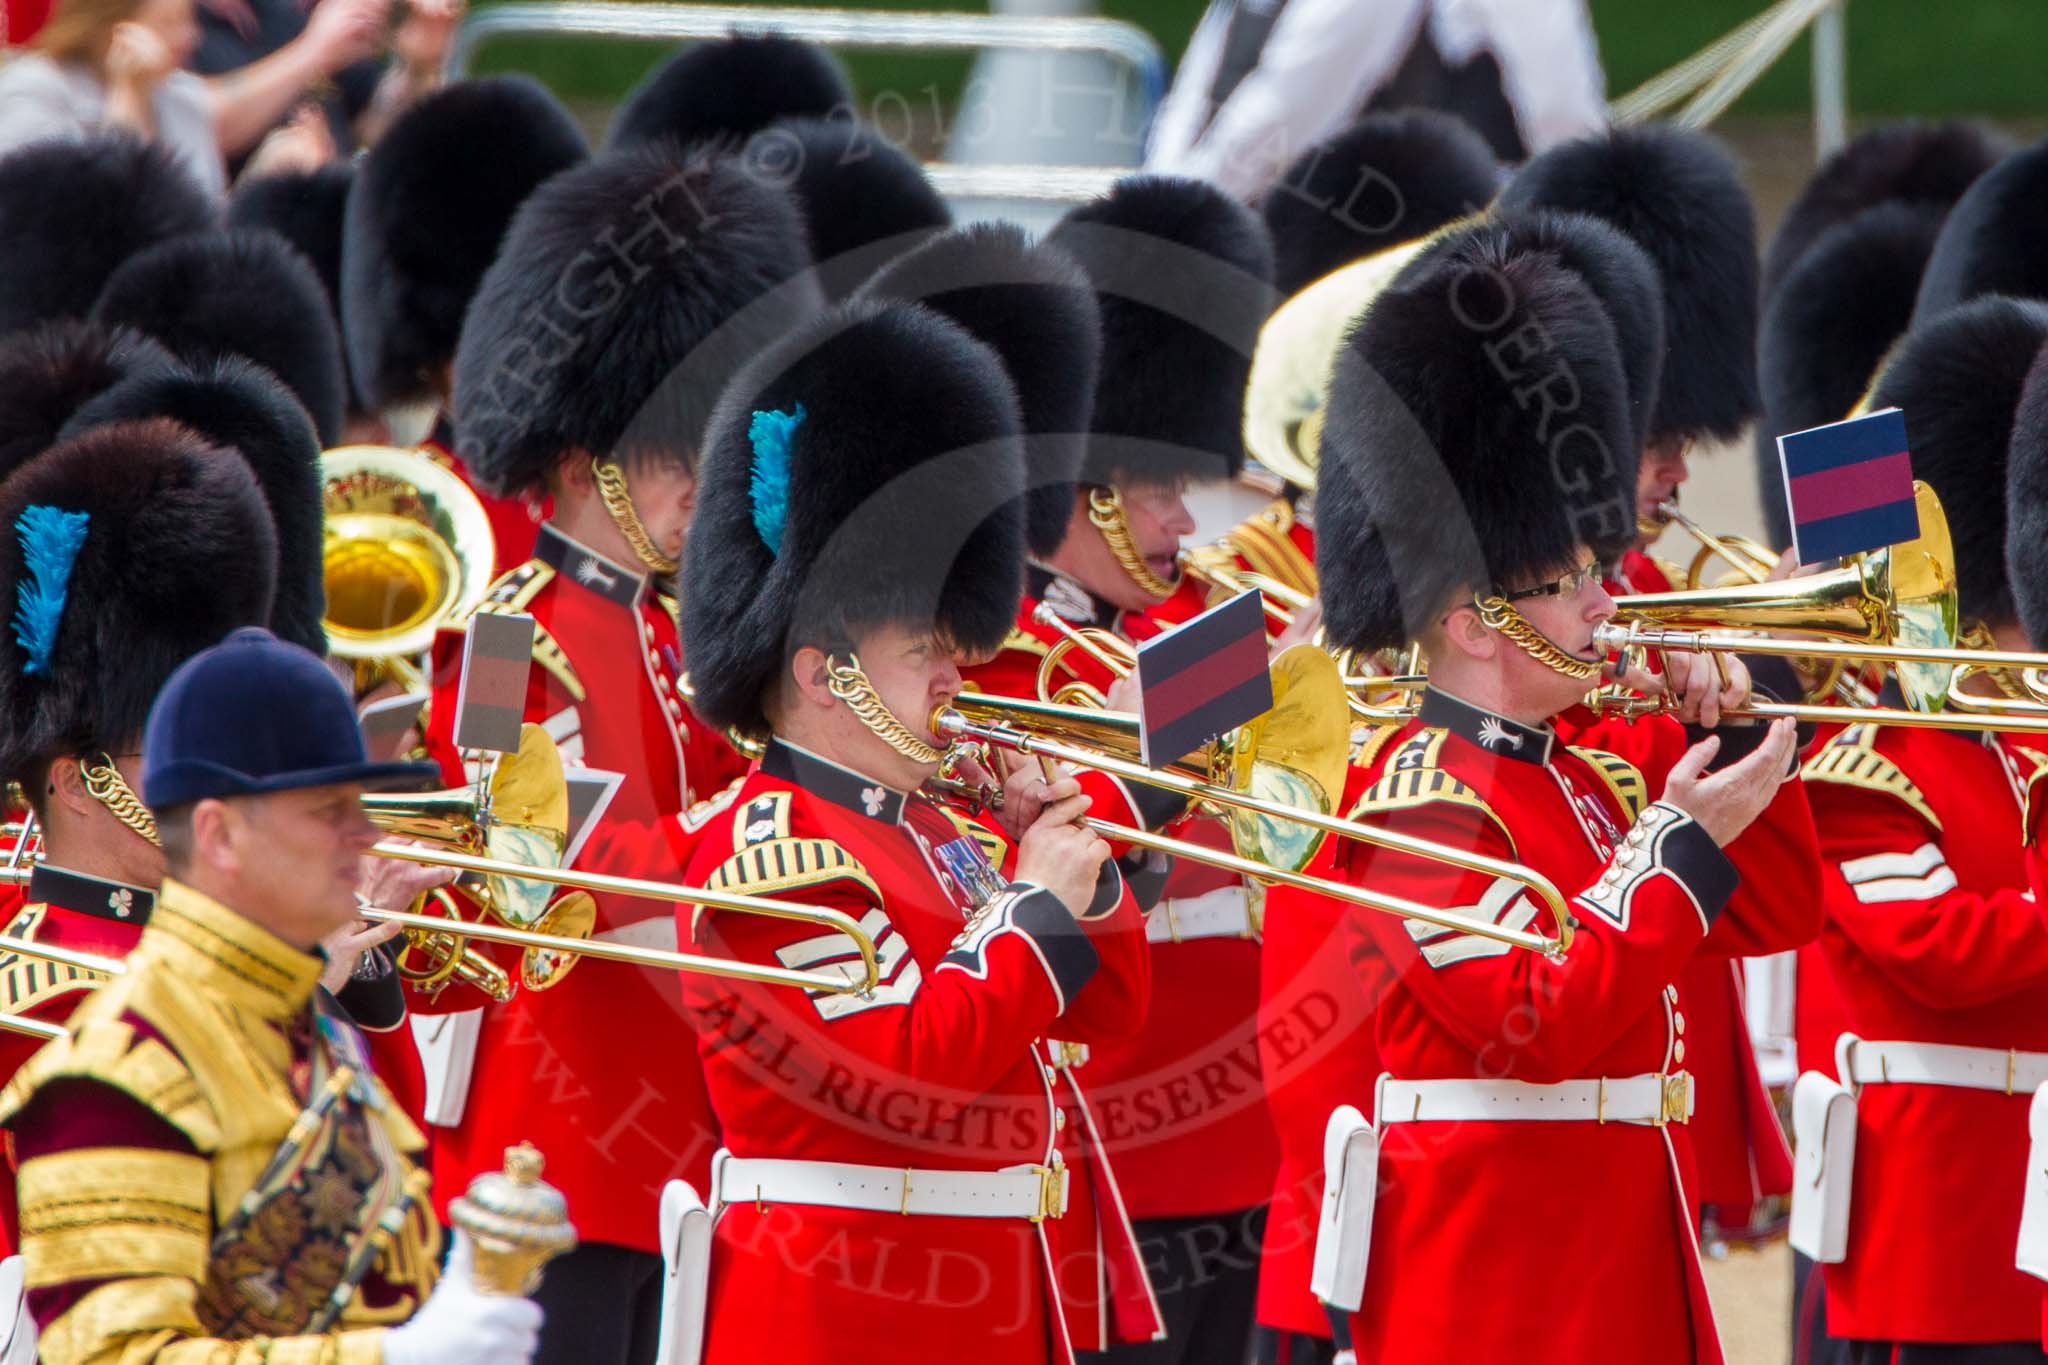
<point>1905,56</point>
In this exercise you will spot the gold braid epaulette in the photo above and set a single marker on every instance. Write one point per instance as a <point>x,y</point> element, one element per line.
<point>1622,777</point>
<point>1413,779</point>
<point>26,983</point>
<point>1851,759</point>
<point>1024,640</point>
<point>512,594</point>
<point>789,864</point>
<point>105,1050</point>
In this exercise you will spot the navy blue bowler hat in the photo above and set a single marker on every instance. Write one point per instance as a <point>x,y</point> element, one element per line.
<point>254,715</point>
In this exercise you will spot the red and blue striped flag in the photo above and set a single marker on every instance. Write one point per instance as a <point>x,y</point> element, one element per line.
<point>1849,486</point>
<point>1203,678</point>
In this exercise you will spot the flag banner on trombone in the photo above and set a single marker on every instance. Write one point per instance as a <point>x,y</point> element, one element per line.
<point>1849,486</point>
<point>1203,678</point>
<point>497,656</point>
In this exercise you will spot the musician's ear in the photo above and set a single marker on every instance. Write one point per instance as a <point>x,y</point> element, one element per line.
<point>810,677</point>
<point>1462,630</point>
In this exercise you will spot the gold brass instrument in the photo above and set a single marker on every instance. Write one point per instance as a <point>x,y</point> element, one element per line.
<point>1218,569</point>
<point>1903,595</point>
<point>408,548</point>
<point>1944,661</point>
<point>999,729</point>
<point>1750,561</point>
<point>831,980</point>
<point>521,818</point>
<point>1297,349</point>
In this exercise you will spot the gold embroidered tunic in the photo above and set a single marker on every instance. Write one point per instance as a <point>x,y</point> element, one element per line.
<point>170,1209</point>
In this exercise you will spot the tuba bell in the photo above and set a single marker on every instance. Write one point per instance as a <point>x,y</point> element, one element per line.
<point>408,549</point>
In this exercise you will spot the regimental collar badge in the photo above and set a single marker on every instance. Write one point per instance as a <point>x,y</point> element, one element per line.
<point>1492,732</point>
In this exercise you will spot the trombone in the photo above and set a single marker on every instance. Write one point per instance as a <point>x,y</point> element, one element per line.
<point>108,967</point>
<point>1274,802</point>
<point>1983,715</point>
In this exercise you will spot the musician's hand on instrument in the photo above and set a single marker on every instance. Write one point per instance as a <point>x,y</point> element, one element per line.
<point>1301,630</point>
<point>345,948</point>
<point>1124,694</point>
<point>394,883</point>
<point>1726,802</point>
<point>1063,857</point>
<point>1026,793</point>
<point>1706,684</point>
<point>458,1325</point>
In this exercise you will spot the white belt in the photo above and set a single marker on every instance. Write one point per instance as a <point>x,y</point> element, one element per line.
<point>1225,912</point>
<point>1652,1098</point>
<point>1029,1192</point>
<point>1968,1068</point>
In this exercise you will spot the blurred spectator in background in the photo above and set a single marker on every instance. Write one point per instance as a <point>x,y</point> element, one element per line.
<point>273,82</point>
<point>1264,80</point>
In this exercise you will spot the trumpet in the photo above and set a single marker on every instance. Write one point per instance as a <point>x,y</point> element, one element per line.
<point>1750,561</point>
<point>1214,566</point>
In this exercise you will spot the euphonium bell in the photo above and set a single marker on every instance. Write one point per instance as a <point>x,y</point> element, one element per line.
<point>522,817</point>
<point>408,549</point>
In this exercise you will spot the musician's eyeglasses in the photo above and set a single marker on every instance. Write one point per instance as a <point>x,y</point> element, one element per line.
<point>1568,584</point>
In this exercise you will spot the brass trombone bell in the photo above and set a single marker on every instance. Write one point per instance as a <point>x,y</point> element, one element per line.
<point>407,549</point>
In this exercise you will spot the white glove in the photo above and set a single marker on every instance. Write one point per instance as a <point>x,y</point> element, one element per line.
<point>459,1326</point>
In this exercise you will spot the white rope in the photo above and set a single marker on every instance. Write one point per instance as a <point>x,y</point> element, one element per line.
<point>1718,74</point>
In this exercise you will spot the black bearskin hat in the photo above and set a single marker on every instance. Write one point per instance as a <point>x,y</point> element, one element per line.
<point>1184,274</point>
<point>430,204</point>
<point>1841,306</point>
<point>866,470</point>
<point>50,370</point>
<point>72,211</point>
<point>1620,274</point>
<point>250,294</point>
<point>1388,178</point>
<point>1032,304</point>
<point>624,353</point>
<point>233,402</point>
<point>122,552</point>
<point>864,202</point>
<point>1678,195</point>
<point>2026,504</point>
<point>1927,164</point>
<point>1958,378</point>
<point>307,209</point>
<point>1422,422</point>
<point>731,88</point>
<point>1991,242</point>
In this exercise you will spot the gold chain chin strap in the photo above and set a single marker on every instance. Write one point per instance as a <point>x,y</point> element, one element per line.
<point>103,781</point>
<point>1499,614</point>
<point>1106,515</point>
<point>611,489</point>
<point>851,685</point>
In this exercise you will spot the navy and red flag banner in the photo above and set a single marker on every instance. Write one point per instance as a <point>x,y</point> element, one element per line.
<point>1849,486</point>
<point>1203,678</point>
<point>497,655</point>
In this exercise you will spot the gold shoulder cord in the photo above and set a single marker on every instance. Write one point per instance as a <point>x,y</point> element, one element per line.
<point>851,685</point>
<point>1499,614</point>
<point>618,502</point>
<point>104,783</point>
<point>1106,515</point>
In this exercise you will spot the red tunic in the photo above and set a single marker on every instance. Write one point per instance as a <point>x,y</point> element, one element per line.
<point>944,1067</point>
<point>1932,938</point>
<point>513,524</point>
<point>1180,1103</point>
<point>1316,1051</point>
<point>549,1067</point>
<point>1479,1204</point>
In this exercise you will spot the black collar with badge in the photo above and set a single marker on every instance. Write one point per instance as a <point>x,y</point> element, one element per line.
<point>586,568</point>
<point>1490,731</point>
